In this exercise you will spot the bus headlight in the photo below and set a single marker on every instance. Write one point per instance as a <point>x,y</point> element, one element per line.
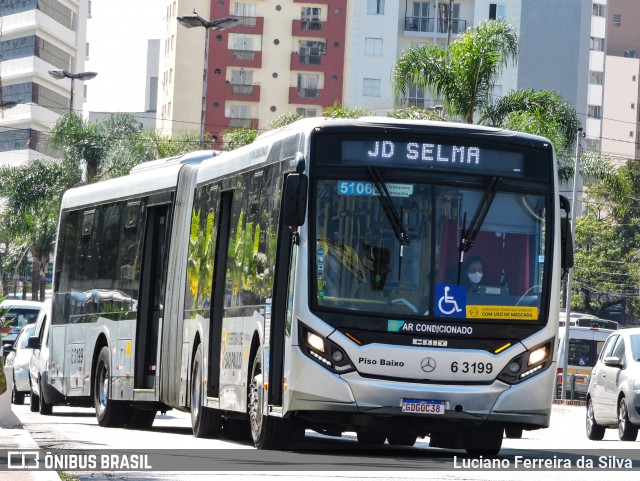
<point>528,364</point>
<point>323,351</point>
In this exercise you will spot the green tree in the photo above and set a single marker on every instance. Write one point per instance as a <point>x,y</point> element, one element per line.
<point>32,194</point>
<point>464,73</point>
<point>235,138</point>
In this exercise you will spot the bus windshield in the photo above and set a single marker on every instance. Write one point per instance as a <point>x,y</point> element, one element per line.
<point>396,247</point>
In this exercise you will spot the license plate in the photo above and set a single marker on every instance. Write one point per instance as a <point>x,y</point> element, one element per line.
<point>422,406</point>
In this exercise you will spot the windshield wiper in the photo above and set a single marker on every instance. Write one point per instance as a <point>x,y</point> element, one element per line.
<point>389,209</point>
<point>469,234</point>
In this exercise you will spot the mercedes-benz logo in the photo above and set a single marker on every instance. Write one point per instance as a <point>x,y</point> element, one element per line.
<point>428,364</point>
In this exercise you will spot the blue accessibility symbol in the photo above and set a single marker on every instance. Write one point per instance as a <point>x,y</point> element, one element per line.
<point>451,300</point>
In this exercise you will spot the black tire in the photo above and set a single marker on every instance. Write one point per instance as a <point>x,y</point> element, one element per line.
<point>16,397</point>
<point>595,432</point>
<point>626,430</point>
<point>402,439</point>
<point>485,441</point>
<point>109,413</point>
<point>141,419</point>
<point>205,422</point>
<point>34,402</point>
<point>513,433</point>
<point>371,439</point>
<point>267,432</point>
<point>44,407</point>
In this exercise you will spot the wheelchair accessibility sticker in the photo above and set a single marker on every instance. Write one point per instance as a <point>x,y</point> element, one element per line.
<point>451,300</point>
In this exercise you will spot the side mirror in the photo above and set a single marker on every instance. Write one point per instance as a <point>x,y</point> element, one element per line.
<point>566,244</point>
<point>6,349</point>
<point>295,199</point>
<point>613,361</point>
<point>34,343</point>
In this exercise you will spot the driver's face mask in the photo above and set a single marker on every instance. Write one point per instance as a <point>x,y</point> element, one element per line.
<point>475,277</point>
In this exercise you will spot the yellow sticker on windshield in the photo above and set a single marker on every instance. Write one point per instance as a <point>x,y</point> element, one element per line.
<point>522,313</point>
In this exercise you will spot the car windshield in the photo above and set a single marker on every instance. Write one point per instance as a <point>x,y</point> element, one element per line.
<point>584,352</point>
<point>20,317</point>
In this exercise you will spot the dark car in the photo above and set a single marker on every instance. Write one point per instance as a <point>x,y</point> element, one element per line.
<point>613,397</point>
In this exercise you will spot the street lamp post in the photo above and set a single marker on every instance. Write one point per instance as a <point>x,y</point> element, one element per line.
<point>60,74</point>
<point>195,20</point>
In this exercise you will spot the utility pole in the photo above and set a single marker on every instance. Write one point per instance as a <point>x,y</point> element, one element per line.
<point>449,17</point>
<point>567,323</point>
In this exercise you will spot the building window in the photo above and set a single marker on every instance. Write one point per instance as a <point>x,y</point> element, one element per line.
<point>310,18</point>
<point>308,86</point>
<point>311,50</point>
<point>497,11</point>
<point>594,111</point>
<point>307,111</point>
<point>371,87</point>
<point>373,46</point>
<point>375,7</point>
<point>598,10</point>
<point>596,78</point>
<point>415,97</point>
<point>597,44</point>
<point>246,12</point>
<point>617,20</point>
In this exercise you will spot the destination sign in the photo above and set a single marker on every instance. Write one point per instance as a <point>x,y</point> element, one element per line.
<point>460,157</point>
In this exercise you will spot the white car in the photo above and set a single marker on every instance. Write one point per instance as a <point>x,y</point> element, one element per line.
<point>38,364</point>
<point>20,314</point>
<point>19,359</point>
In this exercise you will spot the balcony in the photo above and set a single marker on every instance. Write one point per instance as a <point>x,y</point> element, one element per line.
<point>307,28</point>
<point>249,93</point>
<point>238,123</point>
<point>308,93</point>
<point>248,55</point>
<point>247,22</point>
<point>243,58</point>
<point>305,62</point>
<point>433,24</point>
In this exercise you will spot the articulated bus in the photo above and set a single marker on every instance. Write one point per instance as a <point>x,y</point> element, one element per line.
<point>316,279</point>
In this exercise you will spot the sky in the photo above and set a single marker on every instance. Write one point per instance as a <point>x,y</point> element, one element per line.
<point>117,33</point>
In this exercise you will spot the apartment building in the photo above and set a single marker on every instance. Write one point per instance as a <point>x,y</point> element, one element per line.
<point>295,56</point>
<point>37,36</point>
<point>620,83</point>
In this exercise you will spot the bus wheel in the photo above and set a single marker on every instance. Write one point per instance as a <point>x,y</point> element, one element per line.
<point>205,422</point>
<point>44,407</point>
<point>141,419</point>
<point>267,432</point>
<point>109,413</point>
<point>486,440</point>
<point>402,439</point>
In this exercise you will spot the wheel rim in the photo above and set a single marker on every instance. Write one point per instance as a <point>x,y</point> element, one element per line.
<point>590,419</point>
<point>195,394</point>
<point>103,388</point>
<point>255,410</point>
<point>622,418</point>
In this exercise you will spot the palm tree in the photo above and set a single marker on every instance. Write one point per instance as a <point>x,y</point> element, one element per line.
<point>463,73</point>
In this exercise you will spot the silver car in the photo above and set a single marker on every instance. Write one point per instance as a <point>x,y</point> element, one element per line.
<point>19,359</point>
<point>613,397</point>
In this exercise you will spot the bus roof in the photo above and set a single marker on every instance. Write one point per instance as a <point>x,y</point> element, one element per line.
<point>257,152</point>
<point>159,175</point>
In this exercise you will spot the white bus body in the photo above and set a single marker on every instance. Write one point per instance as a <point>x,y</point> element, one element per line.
<point>314,279</point>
